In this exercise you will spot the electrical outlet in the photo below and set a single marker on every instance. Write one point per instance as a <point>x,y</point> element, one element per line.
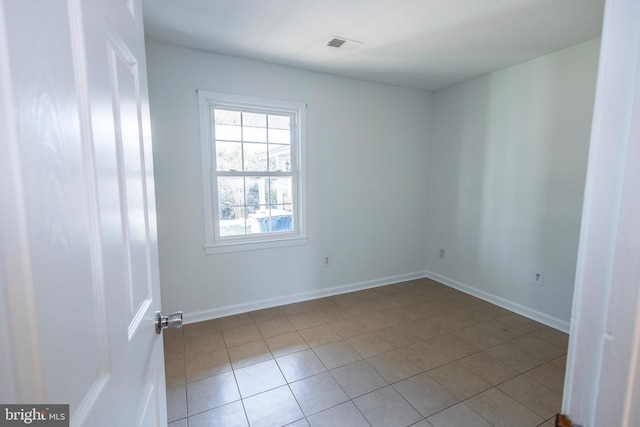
<point>441,253</point>
<point>326,260</point>
<point>537,277</point>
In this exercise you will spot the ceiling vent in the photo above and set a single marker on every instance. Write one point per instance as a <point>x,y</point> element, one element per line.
<point>343,43</point>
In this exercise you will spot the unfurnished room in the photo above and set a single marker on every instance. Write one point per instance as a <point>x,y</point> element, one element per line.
<point>335,213</point>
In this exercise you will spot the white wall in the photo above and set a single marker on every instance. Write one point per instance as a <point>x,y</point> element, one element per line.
<point>366,155</point>
<point>506,172</point>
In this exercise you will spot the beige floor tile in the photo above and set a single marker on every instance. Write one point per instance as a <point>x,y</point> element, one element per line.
<point>317,393</point>
<point>521,322</point>
<point>343,415</point>
<point>424,356</point>
<point>320,303</point>
<point>425,394</point>
<point>366,294</point>
<point>235,321</point>
<point>402,314</point>
<point>358,309</point>
<point>334,314</point>
<point>173,341</point>
<point>369,344</point>
<point>539,348</point>
<point>302,364</point>
<point>300,423</point>
<point>174,372</point>
<point>553,336</point>
<point>489,309</point>
<point>295,308</point>
<point>393,366</point>
<point>207,364</point>
<point>176,403</point>
<point>537,398</point>
<point>248,354</point>
<point>201,344</point>
<point>350,327</point>
<point>380,304</point>
<point>319,335</point>
<point>478,337</point>
<point>258,378</point>
<point>286,344</point>
<point>501,330</point>
<point>211,392</point>
<point>488,368</point>
<point>458,380</point>
<point>548,375</point>
<point>501,410</point>
<point>230,415</point>
<point>272,408</point>
<point>267,314</point>
<point>272,328</point>
<point>199,328</point>
<point>560,362</point>
<point>336,354</point>
<point>241,335</point>
<point>459,415</point>
<point>306,320</point>
<point>179,423</point>
<point>514,357</point>
<point>397,336</point>
<point>469,315</point>
<point>346,300</point>
<point>424,329</point>
<point>448,322</point>
<point>386,408</point>
<point>358,378</point>
<point>453,346</point>
<point>376,320</point>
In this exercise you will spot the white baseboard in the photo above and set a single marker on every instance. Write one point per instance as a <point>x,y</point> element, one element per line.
<point>543,318</point>
<point>229,310</point>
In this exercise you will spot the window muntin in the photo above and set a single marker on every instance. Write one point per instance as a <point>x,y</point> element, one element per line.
<point>254,170</point>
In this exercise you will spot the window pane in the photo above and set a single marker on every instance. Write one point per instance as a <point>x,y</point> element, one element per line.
<point>279,129</point>
<point>280,191</point>
<point>279,136</point>
<point>271,219</point>
<point>228,132</point>
<point>227,125</point>
<point>227,117</point>
<point>254,127</point>
<point>233,221</point>
<point>279,122</point>
<point>228,156</point>
<point>279,157</point>
<point>230,192</point>
<point>255,191</point>
<point>255,157</point>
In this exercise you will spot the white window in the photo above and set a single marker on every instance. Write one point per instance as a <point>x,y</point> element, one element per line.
<point>252,171</point>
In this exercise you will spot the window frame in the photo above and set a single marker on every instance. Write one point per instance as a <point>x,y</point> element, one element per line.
<point>214,242</point>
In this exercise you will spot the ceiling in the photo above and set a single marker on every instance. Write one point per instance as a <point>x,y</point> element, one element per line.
<point>422,44</point>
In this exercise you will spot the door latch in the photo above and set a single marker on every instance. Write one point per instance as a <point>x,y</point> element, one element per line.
<point>172,321</point>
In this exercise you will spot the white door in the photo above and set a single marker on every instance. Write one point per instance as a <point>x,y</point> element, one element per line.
<point>79,283</point>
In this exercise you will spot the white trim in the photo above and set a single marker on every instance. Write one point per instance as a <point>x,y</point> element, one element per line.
<point>229,310</point>
<point>214,243</point>
<point>502,302</point>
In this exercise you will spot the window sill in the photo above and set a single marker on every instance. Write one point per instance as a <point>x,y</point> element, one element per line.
<point>240,246</point>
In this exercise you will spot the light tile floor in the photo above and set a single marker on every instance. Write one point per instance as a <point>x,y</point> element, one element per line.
<point>416,353</point>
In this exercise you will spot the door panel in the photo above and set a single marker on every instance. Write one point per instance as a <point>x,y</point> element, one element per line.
<point>78,249</point>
